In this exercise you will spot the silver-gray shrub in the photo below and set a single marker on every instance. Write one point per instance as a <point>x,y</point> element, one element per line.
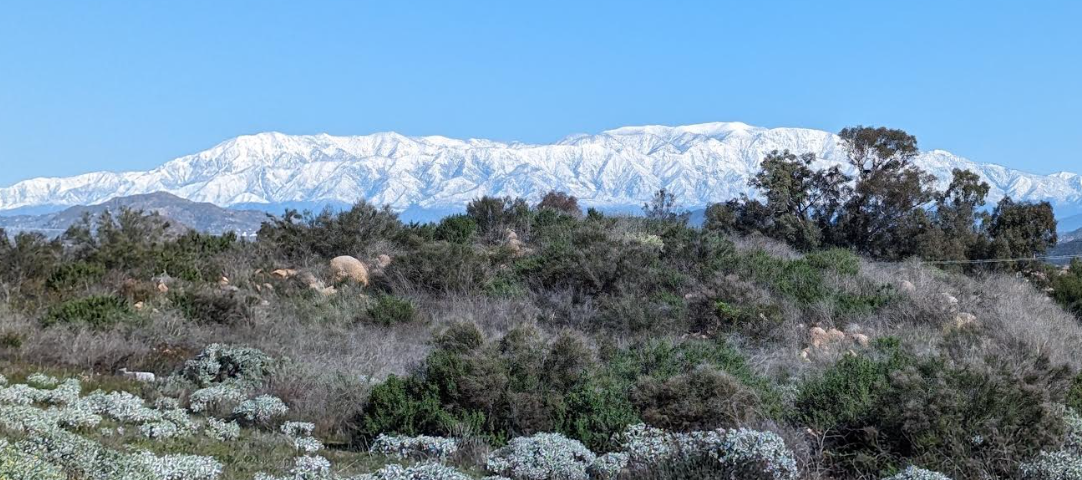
<point>916,473</point>
<point>219,363</point>
<point>607,466</point>
<point>417,448</point>
<point>1061,465</point>
<point>261,410</point>
<point>541,457</point>
<point>222,430</point>
<point>739,453</point>
<point>216,397</point>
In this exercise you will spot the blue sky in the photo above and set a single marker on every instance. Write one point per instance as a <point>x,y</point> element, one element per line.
<point>113,85</point>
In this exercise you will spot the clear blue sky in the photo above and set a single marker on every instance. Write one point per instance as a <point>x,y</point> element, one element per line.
<point>110,85</point>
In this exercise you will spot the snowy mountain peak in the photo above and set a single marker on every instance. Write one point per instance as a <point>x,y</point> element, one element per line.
<point>618,168</point>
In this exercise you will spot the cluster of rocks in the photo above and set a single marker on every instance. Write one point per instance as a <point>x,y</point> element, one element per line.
<point>342,269</point>
<point>827,341</point>
<point>959,320</point>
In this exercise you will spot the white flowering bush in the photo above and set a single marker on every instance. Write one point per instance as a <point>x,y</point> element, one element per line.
<point>307,444</point>
<point>1072,441</point>
<point>41,380</point>
<point>166,403</point>
<point>297,429</point>
<point>915,473</point>
<point>1061,465</point>
<point>16,464</point>
<point>120,406</point>
<point>3,381</point>
<point>262,409</point>
<point>607,466</point>
<point>222,430</point>
<point>217,397</point>
<point>750,454</point>
<point>180,418</point>
<point>741,453</point>
<point>540,457</point>
<point>65,393</point>
<point>308,467</point>
<point>180,467</point>
<point>20,394</point>
<point>25,418</point>
<point>419,447</point>
<point>159,430</point>
<point>646,445</point>
<point>429,471</point>
<point>219,363</point>
<point>84,459</point>
<point>77,418</point>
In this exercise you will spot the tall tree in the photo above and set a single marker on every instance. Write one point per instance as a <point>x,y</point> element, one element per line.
<point>956,232</point>
<point>663,207</point>
<point>884,214</point>
<point>1021,230</point>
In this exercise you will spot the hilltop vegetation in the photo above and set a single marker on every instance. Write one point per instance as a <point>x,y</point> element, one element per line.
<point>538,341</point>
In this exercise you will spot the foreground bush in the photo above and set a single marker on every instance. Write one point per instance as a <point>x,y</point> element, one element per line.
<point>542,456</point>
<point>738,453</point>
<point>878,411</point>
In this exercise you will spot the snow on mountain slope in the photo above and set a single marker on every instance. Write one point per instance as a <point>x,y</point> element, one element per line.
<point>617,168</point>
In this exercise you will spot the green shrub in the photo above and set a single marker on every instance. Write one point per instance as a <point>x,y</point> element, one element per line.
<point>456,229</point>
<point>1067,288</point>
<point>1074,395</point>
<point>329,234</point>
<point>714,315</point>
<point>442,267</point>
<point>97,311</point>
<point>209,306</point>
<point>797,279</point>
<point>878,412</point>
<point>630,313</point>
<point>494,215</point>
<point>11,341</point>
<point>518,385</point>
<point>704,399</point>
<point>75,274</point>
<point>835,259</point>
<point>389,310</point>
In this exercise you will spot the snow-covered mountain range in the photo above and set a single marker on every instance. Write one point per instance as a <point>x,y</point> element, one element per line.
<point>615,169</point>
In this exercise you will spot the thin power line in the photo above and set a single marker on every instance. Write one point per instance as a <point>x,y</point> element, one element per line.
<point>997,260</point>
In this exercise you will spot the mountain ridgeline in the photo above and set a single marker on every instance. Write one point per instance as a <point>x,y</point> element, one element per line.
<point>429,177</point>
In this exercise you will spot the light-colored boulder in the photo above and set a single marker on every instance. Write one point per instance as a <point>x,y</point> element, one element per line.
<point>284,273</point>
<point>822,339</point>
<point>163,288</point>
<point>347,268</point>
<point>835,335</point>
<point>817,336</point>
<point>860,338</point>
<point>308,279</point>
<point>964,320</point>
<point>383,261</point>
<point>907,287</point>
<point>950,300</point>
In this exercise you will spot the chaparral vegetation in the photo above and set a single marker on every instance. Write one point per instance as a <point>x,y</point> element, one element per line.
<point>865,323</point>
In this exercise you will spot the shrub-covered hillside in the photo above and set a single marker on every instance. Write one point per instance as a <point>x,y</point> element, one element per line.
<point>533,342</point>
